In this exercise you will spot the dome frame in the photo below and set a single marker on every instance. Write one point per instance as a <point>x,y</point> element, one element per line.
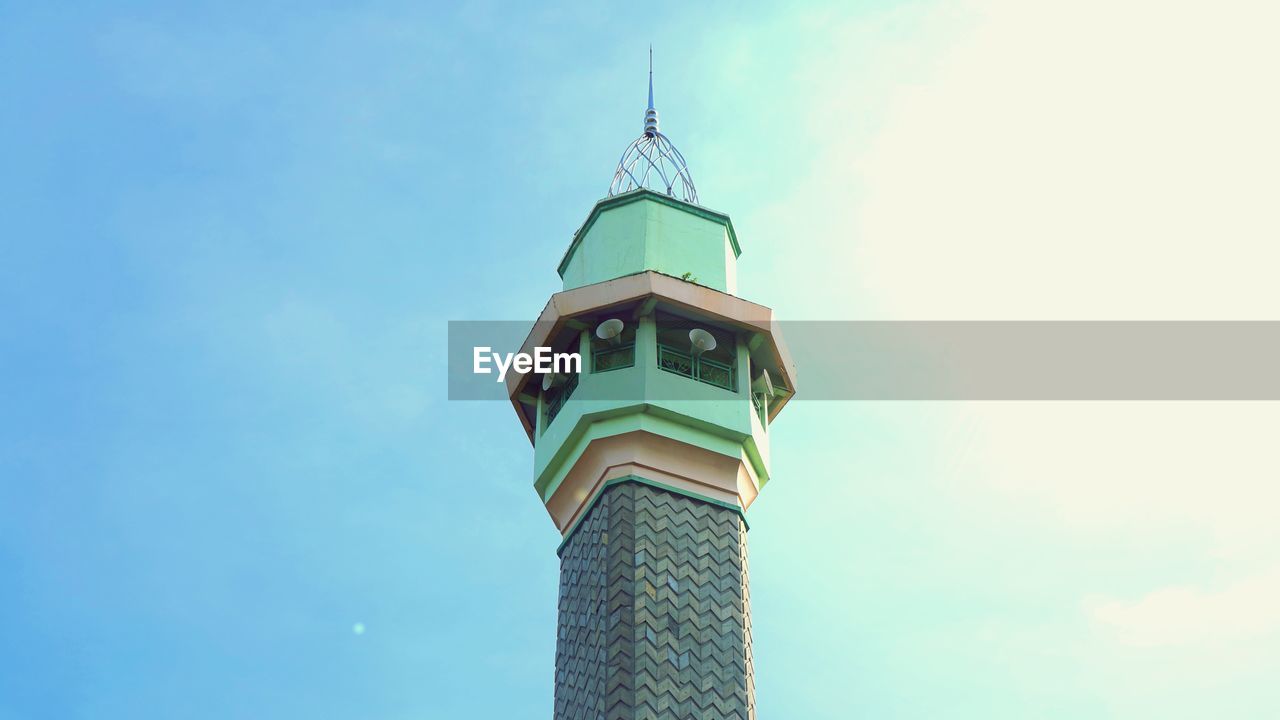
<point>654,163</point>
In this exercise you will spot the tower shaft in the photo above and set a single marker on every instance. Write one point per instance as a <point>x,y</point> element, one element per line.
<point>654,612</point>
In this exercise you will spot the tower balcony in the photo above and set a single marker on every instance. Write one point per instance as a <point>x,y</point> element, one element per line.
<point>648,402</point>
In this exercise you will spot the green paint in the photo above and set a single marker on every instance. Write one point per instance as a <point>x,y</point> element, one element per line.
<point>627,234</point>
<point>645,397</point>
<point>643,230</point>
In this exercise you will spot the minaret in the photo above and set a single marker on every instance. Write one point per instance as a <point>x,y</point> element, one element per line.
<point>648,459</point>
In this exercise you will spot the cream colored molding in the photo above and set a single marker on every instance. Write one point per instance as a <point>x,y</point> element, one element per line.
<point>679,465</point>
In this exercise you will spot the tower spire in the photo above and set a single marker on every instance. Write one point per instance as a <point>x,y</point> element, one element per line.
<point>650,77</point>
<point>651,115</point>
<point>652,162</point>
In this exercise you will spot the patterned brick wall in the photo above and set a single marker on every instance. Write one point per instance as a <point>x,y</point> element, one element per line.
<point>655,618</point>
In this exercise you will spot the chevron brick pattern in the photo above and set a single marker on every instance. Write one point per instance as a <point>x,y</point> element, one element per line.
<point>655,618</point>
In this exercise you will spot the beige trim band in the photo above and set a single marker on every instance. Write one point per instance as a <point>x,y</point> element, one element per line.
<point>658,458</point>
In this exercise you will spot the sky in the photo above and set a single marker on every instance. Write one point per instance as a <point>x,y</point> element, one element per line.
<point>232,234</point>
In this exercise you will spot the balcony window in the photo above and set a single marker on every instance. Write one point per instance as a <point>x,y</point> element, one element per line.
<point>715,365</point>
<point>556,398</point>
<point>607,357</point>
<point>757,402</point>
<point>698,367</point>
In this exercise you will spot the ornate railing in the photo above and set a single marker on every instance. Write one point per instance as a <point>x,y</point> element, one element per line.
<point>613,358</point>
<point>715,373</point>
<point>674,361</point>
<point>557,400</point>
<point>698,368</point>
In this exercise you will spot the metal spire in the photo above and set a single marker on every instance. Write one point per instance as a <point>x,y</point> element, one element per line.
<point>650,77</point>
<point>650,115</point>
<point>652,161</point>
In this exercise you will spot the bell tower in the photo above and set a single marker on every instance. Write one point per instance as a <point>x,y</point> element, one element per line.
<point>648,459</point>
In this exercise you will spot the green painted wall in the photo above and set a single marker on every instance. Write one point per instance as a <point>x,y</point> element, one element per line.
<point>645,397</point>
<point>627,234</point>
<point>642,231</point>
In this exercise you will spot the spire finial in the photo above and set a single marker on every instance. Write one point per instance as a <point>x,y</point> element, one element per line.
<point>651,77</point>
<point>652,162</point>
<point>650,115</point>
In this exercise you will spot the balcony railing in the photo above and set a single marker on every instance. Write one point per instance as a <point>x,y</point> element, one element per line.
<point>698,368</point>
<point>557,400</point>
<point>760,407</point>
<point>613,358</point>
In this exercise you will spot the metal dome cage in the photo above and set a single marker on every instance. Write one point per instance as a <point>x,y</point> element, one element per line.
<point>652,162</point>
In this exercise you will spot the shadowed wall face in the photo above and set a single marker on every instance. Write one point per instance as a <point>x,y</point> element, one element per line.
<point>655,618</point>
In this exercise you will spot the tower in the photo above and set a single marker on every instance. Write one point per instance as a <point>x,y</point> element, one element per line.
<point>648,459</point>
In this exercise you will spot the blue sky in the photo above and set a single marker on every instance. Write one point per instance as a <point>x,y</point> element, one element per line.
<point>231,235</point>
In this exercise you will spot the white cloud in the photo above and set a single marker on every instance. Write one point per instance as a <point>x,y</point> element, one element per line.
<point>1086,160</point>
<point>1183,614</point>
<point>1199,469</point>
<point>1003,159</point>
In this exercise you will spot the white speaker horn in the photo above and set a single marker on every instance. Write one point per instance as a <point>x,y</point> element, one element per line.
<point>610,330</point>
<point>701,340</point>
<point>551,380</point>
<point>763,384</point>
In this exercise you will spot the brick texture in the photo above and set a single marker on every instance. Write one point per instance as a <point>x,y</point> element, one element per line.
<point>655,618</point>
